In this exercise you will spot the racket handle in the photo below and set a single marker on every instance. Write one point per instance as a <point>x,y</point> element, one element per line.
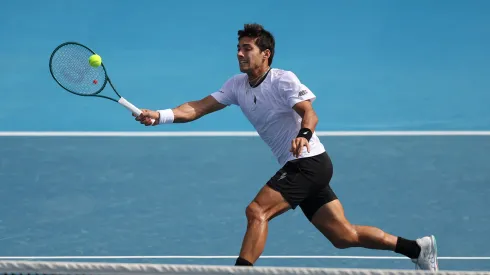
<point>131,107</point>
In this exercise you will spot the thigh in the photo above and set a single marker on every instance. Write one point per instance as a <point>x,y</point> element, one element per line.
<point>330,220</point>
<point>291,184</point>
<point>305,182</point>
<point>318,171</point>
<point>270,203</point>
<point>311,205</point>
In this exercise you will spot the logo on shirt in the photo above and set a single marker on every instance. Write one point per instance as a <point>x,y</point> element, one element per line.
<point>254,106</point>
<point>221,91</point>
<point>302,92</point>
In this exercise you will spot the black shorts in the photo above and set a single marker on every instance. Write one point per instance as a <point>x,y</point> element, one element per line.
<point>305,182</point>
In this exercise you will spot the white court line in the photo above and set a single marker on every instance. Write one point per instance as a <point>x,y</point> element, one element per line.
<point>236,134</point>
<point>230,257</point>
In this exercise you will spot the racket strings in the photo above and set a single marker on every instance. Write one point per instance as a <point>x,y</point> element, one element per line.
<point>71,68</point>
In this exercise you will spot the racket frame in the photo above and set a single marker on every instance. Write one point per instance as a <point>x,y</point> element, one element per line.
<point>121,100</point>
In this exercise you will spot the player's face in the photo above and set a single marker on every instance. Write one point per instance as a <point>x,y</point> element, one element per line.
<point>249,56</point>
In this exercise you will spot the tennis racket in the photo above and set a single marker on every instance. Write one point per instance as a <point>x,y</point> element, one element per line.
<point>70,68</point>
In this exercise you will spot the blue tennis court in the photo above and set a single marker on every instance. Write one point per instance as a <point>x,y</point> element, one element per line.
<point>183,196</point>
<point>374,66</point>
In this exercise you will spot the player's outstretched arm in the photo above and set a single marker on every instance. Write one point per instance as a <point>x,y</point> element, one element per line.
<point>193,110</point>
<point>186,112</point>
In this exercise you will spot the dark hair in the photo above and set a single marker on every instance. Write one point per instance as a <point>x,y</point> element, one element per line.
<point>264,39</point>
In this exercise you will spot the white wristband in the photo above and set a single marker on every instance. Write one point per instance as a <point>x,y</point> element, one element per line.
<point>166,116</point>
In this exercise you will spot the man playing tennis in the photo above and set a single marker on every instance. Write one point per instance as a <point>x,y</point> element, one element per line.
<point>280,108</point>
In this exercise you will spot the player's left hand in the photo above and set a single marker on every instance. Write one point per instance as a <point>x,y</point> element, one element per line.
<point>297,146</point>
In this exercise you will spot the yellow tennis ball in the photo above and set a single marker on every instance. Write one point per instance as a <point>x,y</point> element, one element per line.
<point>95,60</point>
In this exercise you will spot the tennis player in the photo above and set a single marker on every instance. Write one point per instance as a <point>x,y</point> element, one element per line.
<point>280,108</point>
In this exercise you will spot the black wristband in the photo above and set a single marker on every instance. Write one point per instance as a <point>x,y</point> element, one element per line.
<point>306,133</point>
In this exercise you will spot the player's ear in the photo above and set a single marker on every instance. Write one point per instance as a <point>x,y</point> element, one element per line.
<point>267,54</point>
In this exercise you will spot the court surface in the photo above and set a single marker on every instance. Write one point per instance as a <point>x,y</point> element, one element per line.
<point>374,66</point>
<point>186,196</point>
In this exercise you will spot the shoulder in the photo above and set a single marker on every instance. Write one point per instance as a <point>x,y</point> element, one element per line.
<point>282,79</point>
<point>237,78</point>
<point>233,82</point>
<point>283,76</point>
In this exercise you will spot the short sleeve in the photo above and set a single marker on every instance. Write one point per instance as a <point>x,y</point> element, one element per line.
<point>226,95</point>
<point>293,90</point>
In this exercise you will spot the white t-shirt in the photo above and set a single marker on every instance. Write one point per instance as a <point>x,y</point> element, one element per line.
<point>268,107</point>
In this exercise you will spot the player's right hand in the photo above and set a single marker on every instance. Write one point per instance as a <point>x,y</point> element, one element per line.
<point>147,116</point>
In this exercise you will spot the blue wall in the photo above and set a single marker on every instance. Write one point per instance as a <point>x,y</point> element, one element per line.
<point>374,65</point>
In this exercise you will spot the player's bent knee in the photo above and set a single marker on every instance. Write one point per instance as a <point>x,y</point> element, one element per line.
<point>255,213</point>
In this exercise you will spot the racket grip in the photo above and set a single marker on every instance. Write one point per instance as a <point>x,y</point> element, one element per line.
<point>129,106</point>
<point>135,110</point>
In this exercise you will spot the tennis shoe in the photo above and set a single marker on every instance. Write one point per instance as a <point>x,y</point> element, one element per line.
<point>427,259</point>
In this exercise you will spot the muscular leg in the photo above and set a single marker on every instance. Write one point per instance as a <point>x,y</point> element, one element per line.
<point>332,223</point>
<point>266,205</point>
